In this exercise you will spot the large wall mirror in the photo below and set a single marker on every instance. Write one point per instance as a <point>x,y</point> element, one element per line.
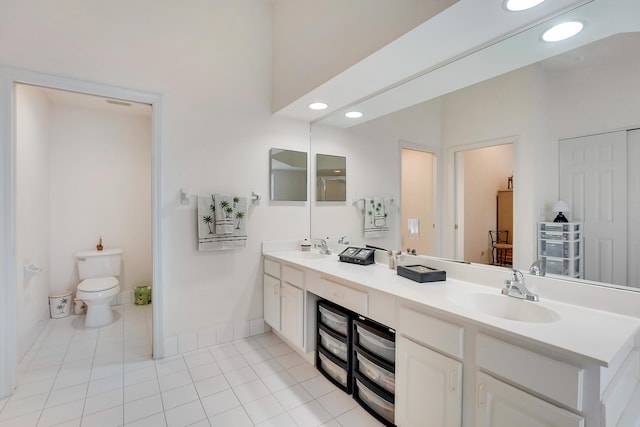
<point>519,93</point>
<point>287,175</point>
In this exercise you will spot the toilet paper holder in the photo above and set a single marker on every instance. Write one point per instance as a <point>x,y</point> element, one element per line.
<point>30,270</point>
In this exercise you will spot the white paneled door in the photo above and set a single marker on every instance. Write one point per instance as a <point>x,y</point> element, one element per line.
<point>593,181</point>
<point>633,206</point>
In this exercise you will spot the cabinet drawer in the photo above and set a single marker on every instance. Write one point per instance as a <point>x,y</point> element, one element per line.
<point>293,276</point>
<point>335,346</point>
<point>344,296</point>
<point>336,372</point>
<point>557,380</point>
<point>443,336</point>
<point>272,268</point>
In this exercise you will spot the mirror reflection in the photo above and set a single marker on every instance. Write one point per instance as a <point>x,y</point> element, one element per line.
<point>331,178</point>
<point>590,90</point>
<point>288,175</point>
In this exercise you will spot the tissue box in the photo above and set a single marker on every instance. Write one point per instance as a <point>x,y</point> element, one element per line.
<point>421,273</point>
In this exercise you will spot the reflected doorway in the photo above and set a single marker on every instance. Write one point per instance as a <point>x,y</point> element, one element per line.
<point>417,195</point>
<point>482,180</point>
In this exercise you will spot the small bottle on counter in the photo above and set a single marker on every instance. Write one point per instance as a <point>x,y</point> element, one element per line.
<point>305,245</point>
<point>392,260</point>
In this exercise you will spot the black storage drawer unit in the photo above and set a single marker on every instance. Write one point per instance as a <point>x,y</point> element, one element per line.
<point>358,356</point>
<point>333,346</point>
<point>373,363</point>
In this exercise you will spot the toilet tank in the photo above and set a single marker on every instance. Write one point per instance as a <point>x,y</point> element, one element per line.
<point>102,263</point>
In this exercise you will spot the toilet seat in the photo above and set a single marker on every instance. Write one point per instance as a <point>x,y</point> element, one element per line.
<point>98,284</point>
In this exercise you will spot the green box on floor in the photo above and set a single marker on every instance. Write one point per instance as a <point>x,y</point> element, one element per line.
<point>142,294</point>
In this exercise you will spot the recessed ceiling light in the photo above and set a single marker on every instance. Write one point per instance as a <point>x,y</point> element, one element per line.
<point>318,106</point>
<point>353,114</point>
<point>518,5</point>
<point>562,31</point>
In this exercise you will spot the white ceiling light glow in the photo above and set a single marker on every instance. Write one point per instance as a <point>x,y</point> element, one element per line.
<point>353,114</point>
<point>562,31</point>
<point>518,5</point>
<point>318,106</point>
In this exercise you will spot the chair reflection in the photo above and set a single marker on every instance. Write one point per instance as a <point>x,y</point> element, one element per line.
<point>501,249</point>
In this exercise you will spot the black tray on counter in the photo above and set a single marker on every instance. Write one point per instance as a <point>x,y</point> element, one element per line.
<point>421,273</point>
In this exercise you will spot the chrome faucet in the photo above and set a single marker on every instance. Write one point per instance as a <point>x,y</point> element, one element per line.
<point>537,269</point>
<point>322,246</point>
<point>517,289</point>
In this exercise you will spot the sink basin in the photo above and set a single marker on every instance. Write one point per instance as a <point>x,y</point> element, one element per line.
<point>505,307</point>
<point>304,255</point>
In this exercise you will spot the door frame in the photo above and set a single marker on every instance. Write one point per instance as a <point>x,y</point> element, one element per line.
<point>455,189</point>
<point>9,77</point>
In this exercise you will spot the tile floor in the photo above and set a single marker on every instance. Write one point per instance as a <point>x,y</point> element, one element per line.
<point>105,377</point>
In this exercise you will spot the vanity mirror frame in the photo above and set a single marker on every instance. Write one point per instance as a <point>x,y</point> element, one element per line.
<point>539,193</point>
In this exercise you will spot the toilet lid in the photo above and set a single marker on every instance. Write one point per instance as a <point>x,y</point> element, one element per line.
<point>98,284</point>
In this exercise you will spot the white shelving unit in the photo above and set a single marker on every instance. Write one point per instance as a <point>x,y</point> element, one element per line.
<point>561,248</point>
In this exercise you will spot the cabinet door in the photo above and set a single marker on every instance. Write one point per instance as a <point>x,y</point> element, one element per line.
<point>272,301</point>
<point>428,387</point>
<point>291,313</point>
<point>499,404</point>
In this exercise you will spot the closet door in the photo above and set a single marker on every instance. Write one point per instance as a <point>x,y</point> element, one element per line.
<point>593,181</point>
<point>633,233</point>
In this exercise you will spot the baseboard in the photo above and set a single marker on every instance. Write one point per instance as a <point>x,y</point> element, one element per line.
<point>220,334</point>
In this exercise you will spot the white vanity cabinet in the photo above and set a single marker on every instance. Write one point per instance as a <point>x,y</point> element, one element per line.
<point>271,289</point>
<point>428,386</point>
<point>428,383</point>
<point>499,405</point>
<point>292,314</point>
<point>283,288</point>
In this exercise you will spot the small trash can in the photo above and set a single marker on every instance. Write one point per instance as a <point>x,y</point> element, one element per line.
<point>142,294</point>
<point>60,304</point>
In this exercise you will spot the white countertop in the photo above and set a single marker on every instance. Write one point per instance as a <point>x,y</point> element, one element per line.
<point>593,334</point>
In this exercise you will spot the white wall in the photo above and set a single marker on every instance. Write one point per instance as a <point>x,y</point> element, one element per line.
<point>100,185</point>
<point>211,63</point>
<point>32,214</point>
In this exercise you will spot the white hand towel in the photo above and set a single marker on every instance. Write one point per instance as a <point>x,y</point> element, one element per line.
<point>375,217</point>
<point>209,239</point>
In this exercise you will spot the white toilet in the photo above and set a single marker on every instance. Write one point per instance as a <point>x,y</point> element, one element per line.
<point>97,271</point>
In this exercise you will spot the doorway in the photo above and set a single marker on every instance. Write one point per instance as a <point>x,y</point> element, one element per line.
<point>83,176</point>
<point>482,172</point>
<point>418,220</point>
<point>9,79</point>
